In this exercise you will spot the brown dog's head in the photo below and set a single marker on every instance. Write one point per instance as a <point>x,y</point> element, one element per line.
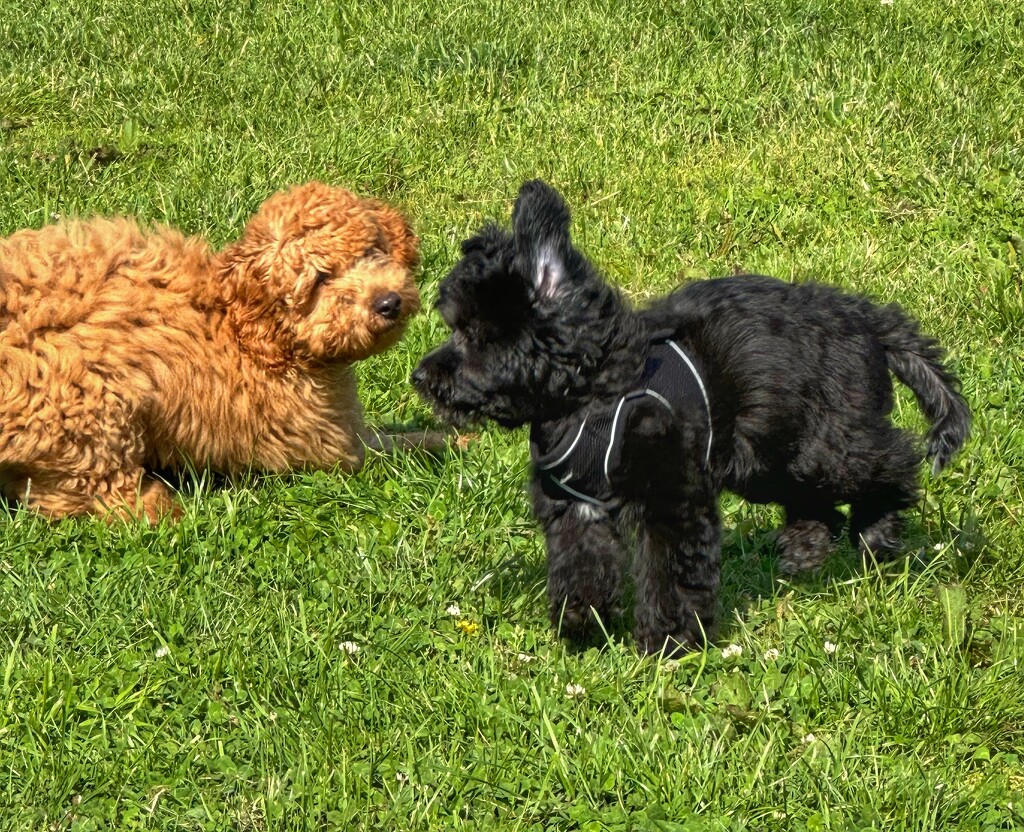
<point>320,276</point>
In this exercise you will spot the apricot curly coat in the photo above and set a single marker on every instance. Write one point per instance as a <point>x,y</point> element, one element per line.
<point>125,349</point>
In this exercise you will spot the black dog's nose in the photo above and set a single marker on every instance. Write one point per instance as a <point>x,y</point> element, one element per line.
<point>388,306</point>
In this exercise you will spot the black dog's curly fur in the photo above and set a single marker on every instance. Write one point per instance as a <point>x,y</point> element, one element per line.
<point>800,395</point>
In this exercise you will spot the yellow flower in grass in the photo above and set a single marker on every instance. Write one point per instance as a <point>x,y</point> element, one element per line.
<point>470,628</point>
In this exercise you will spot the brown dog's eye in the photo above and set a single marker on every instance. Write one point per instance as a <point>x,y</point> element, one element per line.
<point>322,277</point>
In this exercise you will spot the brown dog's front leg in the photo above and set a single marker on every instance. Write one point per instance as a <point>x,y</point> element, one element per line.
<point>431,441</point>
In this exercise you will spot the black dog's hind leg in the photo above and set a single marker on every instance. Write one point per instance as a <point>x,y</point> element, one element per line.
<point>875,521</point>
<point>585,559</point>
<point>673,511</point>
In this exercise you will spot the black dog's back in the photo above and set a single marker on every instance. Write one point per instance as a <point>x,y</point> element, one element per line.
<point>801,387</point>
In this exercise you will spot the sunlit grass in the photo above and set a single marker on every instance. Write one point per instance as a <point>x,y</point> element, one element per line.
<point>284,657</point>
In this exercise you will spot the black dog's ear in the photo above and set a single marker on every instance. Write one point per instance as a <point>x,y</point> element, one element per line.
<point>540,221</point>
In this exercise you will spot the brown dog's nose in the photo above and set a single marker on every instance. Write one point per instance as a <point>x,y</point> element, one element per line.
<point>388,306</point>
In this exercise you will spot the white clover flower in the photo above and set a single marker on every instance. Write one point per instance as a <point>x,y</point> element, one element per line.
<point>808,739</point>
<point>575,691</point>
<point>453,610</point>
<point>771,654</point>
<point>732,651</point>
<point>886,2</point>
<point>830,648</point>
<point>402,777</point>
<point>161,652</point>
<point>349,647</point>
<point>525,658</point>
<point>937,547</point>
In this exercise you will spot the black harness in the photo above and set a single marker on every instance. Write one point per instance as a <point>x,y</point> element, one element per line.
<point>579,465</point>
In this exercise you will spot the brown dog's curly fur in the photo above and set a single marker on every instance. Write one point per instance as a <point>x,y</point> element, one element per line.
<point>124,350</point>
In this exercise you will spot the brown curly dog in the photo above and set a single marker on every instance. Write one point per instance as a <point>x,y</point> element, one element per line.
<point>124,350</point>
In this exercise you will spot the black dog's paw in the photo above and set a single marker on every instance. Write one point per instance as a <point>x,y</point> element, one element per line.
<point>804,545</point>
<point>881,539</point>
<point>581,627</point>
<point>583,604</point>
<point>670,645</point>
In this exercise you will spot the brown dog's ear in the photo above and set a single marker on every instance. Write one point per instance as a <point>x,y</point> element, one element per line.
<point>248,280</point>
<point>311,206</point>
<point>289,214</point>
<point>404,245</point>
<point>253,310</point>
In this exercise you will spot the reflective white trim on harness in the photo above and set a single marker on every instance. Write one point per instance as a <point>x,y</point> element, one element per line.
<point>563,457</point>
<point>656,395</point>
<point>703,392</point>
<point>611,438</point>
<point>592,500</point>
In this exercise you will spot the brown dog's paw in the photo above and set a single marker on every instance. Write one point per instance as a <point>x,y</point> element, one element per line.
<point>153,502</point>
<point>439,441</point>
<point>430,441</point>
<point>464,440</point>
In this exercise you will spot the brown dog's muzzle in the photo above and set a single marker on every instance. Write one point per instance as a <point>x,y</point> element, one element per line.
<point>388,306</point>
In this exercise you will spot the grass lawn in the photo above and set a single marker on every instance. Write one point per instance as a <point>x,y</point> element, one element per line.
<point>284,657</point>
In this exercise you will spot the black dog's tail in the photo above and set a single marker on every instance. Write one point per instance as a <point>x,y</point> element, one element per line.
<point>916,360</point>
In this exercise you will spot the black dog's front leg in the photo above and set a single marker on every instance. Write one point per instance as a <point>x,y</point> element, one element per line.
<point>584,566</point>
<point>677,574</point>
<point>674,512</point>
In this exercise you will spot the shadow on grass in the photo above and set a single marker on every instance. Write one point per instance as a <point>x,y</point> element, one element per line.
<point>750,573</point>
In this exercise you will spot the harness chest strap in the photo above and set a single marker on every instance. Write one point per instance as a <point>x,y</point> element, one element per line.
<point>583,469</point>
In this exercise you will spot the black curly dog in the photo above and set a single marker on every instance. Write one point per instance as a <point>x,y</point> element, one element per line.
<point>639,418</point>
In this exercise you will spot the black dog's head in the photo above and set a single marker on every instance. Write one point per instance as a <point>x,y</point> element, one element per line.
<point>531,321</point>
